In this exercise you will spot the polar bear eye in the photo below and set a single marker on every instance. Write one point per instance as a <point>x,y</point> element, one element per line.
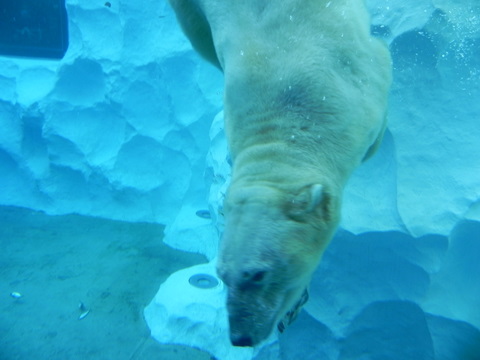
<point>253,278</point>
<point>259,276</point>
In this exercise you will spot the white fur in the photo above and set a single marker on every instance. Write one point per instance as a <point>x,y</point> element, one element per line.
<point>305,102</point>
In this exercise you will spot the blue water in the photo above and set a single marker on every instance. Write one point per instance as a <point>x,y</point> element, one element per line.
<point>104,137</point>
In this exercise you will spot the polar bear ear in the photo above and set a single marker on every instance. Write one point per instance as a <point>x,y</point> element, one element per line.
<point>316,196</point>
<point>307,202</point>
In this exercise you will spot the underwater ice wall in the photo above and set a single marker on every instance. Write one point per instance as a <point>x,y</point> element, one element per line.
<point>119,127</point>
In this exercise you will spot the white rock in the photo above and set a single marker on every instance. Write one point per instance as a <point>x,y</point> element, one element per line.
<point>184,314</point>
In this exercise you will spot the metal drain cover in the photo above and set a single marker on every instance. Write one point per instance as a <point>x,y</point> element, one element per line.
<point>204,214</point>
<point>203,281</point>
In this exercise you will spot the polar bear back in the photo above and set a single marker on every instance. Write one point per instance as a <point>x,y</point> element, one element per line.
<point>301,74</point>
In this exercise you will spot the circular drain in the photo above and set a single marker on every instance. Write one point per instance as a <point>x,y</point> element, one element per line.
<point>203,281</point>
<point>204,214</point>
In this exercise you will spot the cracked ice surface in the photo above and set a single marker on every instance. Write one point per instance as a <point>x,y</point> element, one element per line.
<point>118,128</point>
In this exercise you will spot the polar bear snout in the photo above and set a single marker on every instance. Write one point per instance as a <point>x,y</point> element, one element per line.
<point>247,327</point>
<point>252,313</point>
<point>241,340</point>
<point>253,317</point>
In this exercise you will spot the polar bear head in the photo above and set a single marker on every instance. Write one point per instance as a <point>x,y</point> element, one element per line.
<point>272,242</point>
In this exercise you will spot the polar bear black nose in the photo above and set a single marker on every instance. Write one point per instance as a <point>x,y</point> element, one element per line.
<point>241,340</point>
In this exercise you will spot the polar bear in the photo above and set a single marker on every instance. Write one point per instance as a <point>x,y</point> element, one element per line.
<point>305,101</point>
